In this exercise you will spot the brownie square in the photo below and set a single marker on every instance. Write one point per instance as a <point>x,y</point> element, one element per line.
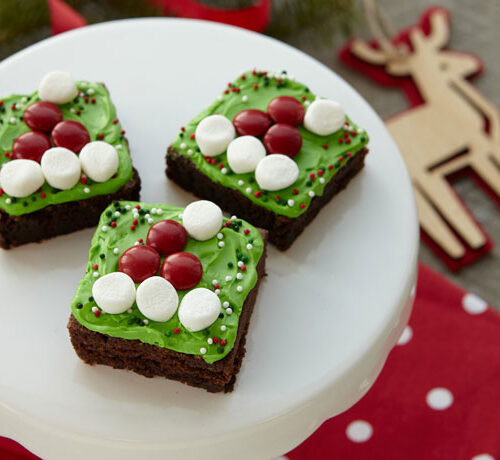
<point>326,163</point>
<point>51,211</point>
<point>233,267</point>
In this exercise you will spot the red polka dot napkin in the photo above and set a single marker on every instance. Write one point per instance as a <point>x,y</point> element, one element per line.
<point>437,398</point>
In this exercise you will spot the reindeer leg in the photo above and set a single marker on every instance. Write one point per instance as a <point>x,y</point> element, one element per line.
<point>434,225</point>
<point>488,171</point>
<point>442,196</point>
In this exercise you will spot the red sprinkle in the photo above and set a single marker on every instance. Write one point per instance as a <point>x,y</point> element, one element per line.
<point>1,191</point>
<point>229,85</point>
<point>97,313</point>
<point>140,240</point>
<point>320,172</point>
<point>13,107</point>
<point>86,99</point>
<point>215,339</point>
<point>183,128</point>
<point>226,91</point>
<point>191,136</point>
<point>349,154</point>
<point>330,167</point>
<point>1,103</point>
<point>221,165</point>
<point>177,330</point>
<point>246,231</point>
<point>83,180</point>
<point>325,146</point>
<point>228,223</point>
<point>135,222</point>
<point>295,191</point>
<point>346,134</point>
<point>278,80</point>
<point>341,141</point>
<point>43,195</point>
<point>243,77</point>
<point>216,286</point>
<point>213,161</point>
<point>302,205</point>
<point>95,266</point>
<point>348,141</point>
<point>341,159</point>
<point>255,86</point>
<point>243,268</point>
<point>137,206</point>
<point>257,194</point>
<point>78,112</point>
<point>303,98</point>
<point>113,224</point>
<point>115,121</point>
<point>7,154</point>
<point>312,176</point>
<point>346,123</point>
<point>100,136</point>
<point>132,227</point>
<point>354,134</point>
<point>93,100</point>
<point>223,343</point>
<point>254,72</point>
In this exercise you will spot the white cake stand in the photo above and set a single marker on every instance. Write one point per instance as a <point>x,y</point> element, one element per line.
<point>330,311</point>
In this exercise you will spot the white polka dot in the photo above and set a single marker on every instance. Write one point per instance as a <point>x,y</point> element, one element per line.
<point>439,398</point>
<point>483,457</point>
<point>405,336</point>
<point>359,431</point>
<point>473,304</point>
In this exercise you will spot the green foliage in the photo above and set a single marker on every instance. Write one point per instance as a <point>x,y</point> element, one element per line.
<point>21,16</point>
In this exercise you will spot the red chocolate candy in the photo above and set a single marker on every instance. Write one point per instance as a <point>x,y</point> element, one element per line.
<point>139,262</point>
<point>284,139</point>
<point>183,270</point>
<point>70,134</point>
<point>30,146</point>
<point>167,237</point>
<point>251,122</point>
<point>286,109</point>
<point>42,116</point>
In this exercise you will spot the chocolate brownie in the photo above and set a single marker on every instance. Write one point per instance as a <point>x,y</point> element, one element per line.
<point>173,338</point>
<point>270,151</point>
<point>65,158</point>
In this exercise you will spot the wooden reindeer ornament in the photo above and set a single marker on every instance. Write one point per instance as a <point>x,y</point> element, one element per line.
<point>451,126</point>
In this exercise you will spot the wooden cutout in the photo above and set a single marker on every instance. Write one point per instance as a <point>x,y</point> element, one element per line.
<point>444,134</point>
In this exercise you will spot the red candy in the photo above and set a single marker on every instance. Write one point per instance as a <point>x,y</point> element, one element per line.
<point>286,109</point>
<point>167,237</point>
<point>30,146</point>
<point>42,116</point>
<point>139,262</point>
<point>251,122</point>
<point>183,270</point>
<point>284,139</point>
<point>70,134</point>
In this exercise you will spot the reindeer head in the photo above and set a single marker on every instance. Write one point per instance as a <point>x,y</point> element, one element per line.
<point>427,54</point>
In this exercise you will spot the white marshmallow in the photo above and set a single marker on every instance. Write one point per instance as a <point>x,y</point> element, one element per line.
<point>213,134</point>
<point>324,117</point>
<point>114,293</point>
<point>202,219</point>
<point>21,178</point>
<point>57,87</point>
<point>199,309</point>
<point>276,172</point>
<point>244,153</point>
<point>99,160</point>
<point>157,299</point>
<point>61,168</point>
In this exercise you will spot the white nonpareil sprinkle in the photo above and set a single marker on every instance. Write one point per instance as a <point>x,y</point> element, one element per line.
<point>137,243</point>
<point>147,216</point>
<point>223,170</point>
<point>229,278</point>
<point>248,190</point>
<point>117,214</point>
<point>307,103</point>
<point>217,291</point>
<point>129,311</point>
<point>203,350</point>
<point>83,84</point>
<point>150,220</point>
<point>183,145</point>
<point>72,110</point>
<point>244,98</point>
<point>94,309</point>
<point>221,244</point>
<point>225,304</point>
<point>234,218</point>
<point>190,151</point>
<point>153,211</point>
<point>311,193</point>
<point>145,321</point>
<point>240,263</point>
<point>104,228</point>
<point>220,97</point>
<point>249,246</point>
<point>223,328</point>
<point>214,282</point>
<point>116,251</point>
<point>229,311</point>
<point>90,91</point>
<point>291,203</point>
<point>86,190</point>
<point>13,120</point>
<point>118,147</point>
<point>8,200</point>
<point>159,212</point>
<point>239,276</point>
<point>240,182</point>
<point>220,236</point>
<point>95,274</point>
<point>210,341</point>
<point>321,180</point>
<point>24,99</point>
<point>239,288</point>
<point>127,207</point>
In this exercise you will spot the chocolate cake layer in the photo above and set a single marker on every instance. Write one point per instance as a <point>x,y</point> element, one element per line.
<point>282,230</point>
<point>150,360</point>
<point>62,218</point>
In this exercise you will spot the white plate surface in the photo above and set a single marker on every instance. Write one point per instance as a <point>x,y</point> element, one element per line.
<point>327,315</point>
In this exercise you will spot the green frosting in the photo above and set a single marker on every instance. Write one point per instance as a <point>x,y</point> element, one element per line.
<point>322,156</point>
<point>218,262</point>
<point>99,118</point>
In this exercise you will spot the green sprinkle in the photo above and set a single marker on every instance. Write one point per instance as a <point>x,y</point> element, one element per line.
<point>79,306</point>
<point>102,256</point>
<point>244,259</point>
<point>230,264</point>
<point>206,331</point>
<point>168,333</point>
<point>221,315</point>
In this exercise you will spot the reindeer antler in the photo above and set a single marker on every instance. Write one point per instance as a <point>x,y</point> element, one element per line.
<point>440,32</point>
